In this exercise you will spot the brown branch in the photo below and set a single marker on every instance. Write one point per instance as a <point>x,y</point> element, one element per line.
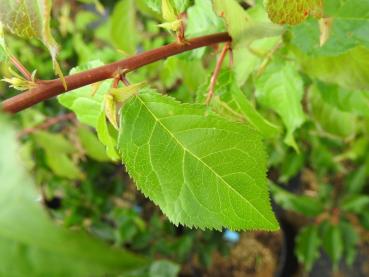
<point>52,88</point>
<point>216,72</point>
<point>47,124</point>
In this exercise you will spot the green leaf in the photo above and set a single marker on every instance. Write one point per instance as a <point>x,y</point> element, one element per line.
<point>92,146</point>
<point>308,206</point>
<point>88,104</point>
<point>280,88</point>
<point>349,29</point>
<point>31,19</point>
<point>307,246</point>
<point>200,169</point>
<point>351,242</point>
<point>329,118</point>
<point>58,154</point>
<point>3,49</point>
<point>349,70</point>
<point>333,243</point>
<point>31,245</point>
<point>124,31</point>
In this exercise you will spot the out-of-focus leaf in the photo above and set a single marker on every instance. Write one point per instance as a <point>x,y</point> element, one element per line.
<point>301,204</point>
<point>349,70</point>
<point>31,245</point>
<point>328,117</point>
<point>349,29</point>
<point>202,20</point>
<point>92,146</point>
<point>280,88</point>
<point>58,151</point>
<point>164,269</point>
<point>356,102</point>
<point>307,246</point>
<point>333,244</point>
<point>124,31</point>
<point>213,158</point>
<point>355,203</point>
<point>351,240</point>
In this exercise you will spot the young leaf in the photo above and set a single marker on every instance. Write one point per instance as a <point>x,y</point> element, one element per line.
<point>200,169</point>
<point>280,88</point>
<point>31,245</point>
<point>355,203</point>
<point>307,246</point>
<point>31,19</point>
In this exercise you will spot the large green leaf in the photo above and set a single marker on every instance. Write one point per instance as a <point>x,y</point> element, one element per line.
<point>307,246</point>
<point>30,19</point>
<point>88,104</point>
<point>349,28</point>
<point>31,245</point>
<point>200,169</point>
<point>280,88</point>
<point>124,31</point>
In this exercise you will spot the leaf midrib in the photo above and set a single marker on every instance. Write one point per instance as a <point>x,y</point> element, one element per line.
<point>199,159</point>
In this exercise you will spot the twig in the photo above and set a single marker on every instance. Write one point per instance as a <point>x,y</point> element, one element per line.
<point>215,75</point>
<point>21,68</point>
<point>47,124</point>
<point>52,88</point>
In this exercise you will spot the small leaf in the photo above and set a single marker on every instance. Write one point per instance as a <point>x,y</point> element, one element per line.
<point>200,169</point>
<point>111,111</point>
<point>280,88</point>
<point>307,246</point>
<point>168,11</point>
